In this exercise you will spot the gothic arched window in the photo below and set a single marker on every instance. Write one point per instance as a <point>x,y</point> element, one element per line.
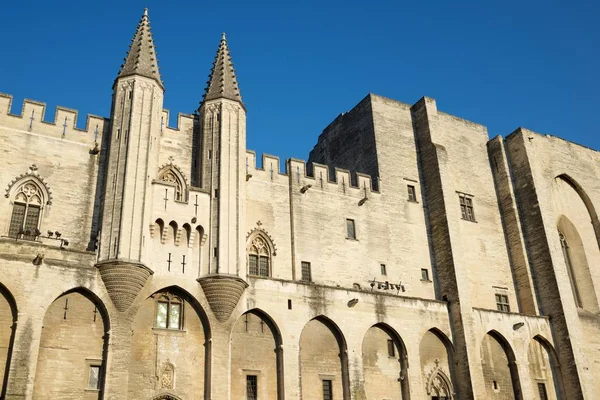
<point>568,261</point>
<point>28,201</point>
<point>259,257</point>
<point>172,175</point>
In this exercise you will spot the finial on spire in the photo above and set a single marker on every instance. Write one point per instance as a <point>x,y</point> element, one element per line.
<point>141,58</point>
<point>222,83</point>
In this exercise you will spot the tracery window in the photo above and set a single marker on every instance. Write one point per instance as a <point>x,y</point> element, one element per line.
<point>26,212</point>
<point>259,257</point>
<point>169,312</point>
<point>171,174</point>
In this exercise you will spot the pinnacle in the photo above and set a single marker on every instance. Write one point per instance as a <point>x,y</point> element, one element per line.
<point>222,83</point>
<point>141,57</point>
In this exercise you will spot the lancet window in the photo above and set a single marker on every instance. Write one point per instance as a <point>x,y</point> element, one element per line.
<point>172,176</point>
<point>259,257</point>
<point>28,201</point>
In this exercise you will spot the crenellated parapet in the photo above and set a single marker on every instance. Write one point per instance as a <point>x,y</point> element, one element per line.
<point>309,175</point>
<point>185,123</point>
<point>64,125</point>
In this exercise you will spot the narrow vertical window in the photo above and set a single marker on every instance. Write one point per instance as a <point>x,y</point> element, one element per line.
<point>424,274</point>
<point>251,387</point>
<point>383,269</point>
<point>327,389</point>
<point>542,391</point>
<point>412,195</point>
<point>391,347</point>
<point>466,207</point>
<point>25,218</point>
<point>259,258</point>
<point>306,272</point>
<point>350,229</point>
<point>567,256</point>
<point>94,377</point>
<point>253,264</point>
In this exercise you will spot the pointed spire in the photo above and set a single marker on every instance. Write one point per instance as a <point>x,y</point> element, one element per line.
<point>222,83</point>
<point>141,57</point>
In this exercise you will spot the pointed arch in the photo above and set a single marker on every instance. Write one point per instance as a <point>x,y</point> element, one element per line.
<point>340,340</point>
<point>402,356</point>
<point>29,195</point>
<point>8,315</point>
<point>578,270</point>
<point>259,254</point>
<point>555,368</point>
<point>436,352</point>
<point>194,348</point>
<point>172,174</point>
<point>277,350</point>
<point>31,176</point>
<point>511,361</point>
<point>71,324</point>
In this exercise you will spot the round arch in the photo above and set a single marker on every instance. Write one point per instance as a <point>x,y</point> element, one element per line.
<point>12,304</point>
<point>512,362</point>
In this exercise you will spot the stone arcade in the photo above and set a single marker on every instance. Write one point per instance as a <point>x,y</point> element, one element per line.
<point>411,257</point>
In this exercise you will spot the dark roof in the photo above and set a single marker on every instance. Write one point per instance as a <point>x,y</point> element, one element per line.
<point>141,57</point>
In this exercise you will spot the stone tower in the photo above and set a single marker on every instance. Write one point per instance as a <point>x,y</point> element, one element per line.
<point>133,152</point>
<point>223,125</point>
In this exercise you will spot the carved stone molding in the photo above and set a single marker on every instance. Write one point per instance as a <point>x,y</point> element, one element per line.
<point>123,281</point>
<point>223,293</point>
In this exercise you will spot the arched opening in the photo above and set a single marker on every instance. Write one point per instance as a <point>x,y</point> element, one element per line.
<point>188,233</point>
<point>259,256</point>
<point>323,361</point>
<point>173,176</point>
<point>256,358</point>
<point>73,347</point>
<point>577,266</point>
<point>173,231</point>
<point>159,230</point>
<point>385,364</point>
<point>499,367</point>
<point>199,244</point>
<point>437,365</point>
<point>170,348</point>
<point>544,369</point>
<point>8,325</point>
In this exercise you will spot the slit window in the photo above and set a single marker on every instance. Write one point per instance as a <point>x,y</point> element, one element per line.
<point>391,348</point>
<point>383,269</point>
<point>424,274</point>
<point>350,229</point>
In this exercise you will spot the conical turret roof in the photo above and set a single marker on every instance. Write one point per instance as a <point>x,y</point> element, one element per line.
<point>222,83</point>
<point>141,57</point>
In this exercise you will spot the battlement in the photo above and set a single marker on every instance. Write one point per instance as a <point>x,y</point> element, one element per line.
<point>64,126</point>
<point>185,122</point>
<point>299,172</point>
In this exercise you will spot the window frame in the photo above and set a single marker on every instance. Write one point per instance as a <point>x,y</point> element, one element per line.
<point>502,302</point>
<point>351,235</point>
<point>327,382</point>
<point>467,208</point>
<point>90,364</point>
<point>170,300</point>
<point>412,193</point>
<point>425,271</point>
<point>25,199</point>
<point>254,396</point>
<point>259,252</point>
<point>303,277</point>
<point>391,348</point>
<point>383,269</point>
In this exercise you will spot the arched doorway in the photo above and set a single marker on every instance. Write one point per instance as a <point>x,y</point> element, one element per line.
<point>170,346</point>
<point>436,354</point>
<point>256,358</point>
<point>323,361</point>
<point>73,346</point>
<point>499,367</point>
<point>385,364</point>
<point>8,325</point>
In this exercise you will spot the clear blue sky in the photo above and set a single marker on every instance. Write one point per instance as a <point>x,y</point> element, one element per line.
<point>518,63</point>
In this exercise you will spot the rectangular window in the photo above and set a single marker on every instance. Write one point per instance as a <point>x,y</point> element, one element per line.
<point>350,229</point>
<point>383,269</point>
<point>16,221</point>
<point>253,264</point>
<point>502,302</point>
<point>94,377</point>
<point>161,314</point>
<point>306,273</point>
<point>251,387</point>
<point>327,389</point>
<point>412,194</point>
<point>466,207</point>
<point>174,316</point>
<point>424,274</point>
<point>391,348</point>
<point>31,221</point>
<point>542,391</point>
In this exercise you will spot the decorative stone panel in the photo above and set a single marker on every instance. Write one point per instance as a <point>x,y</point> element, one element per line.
<point>123,281</point>
<point>223,293</point>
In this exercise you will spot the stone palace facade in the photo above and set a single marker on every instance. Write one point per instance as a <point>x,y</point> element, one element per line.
<point>411,257</point>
